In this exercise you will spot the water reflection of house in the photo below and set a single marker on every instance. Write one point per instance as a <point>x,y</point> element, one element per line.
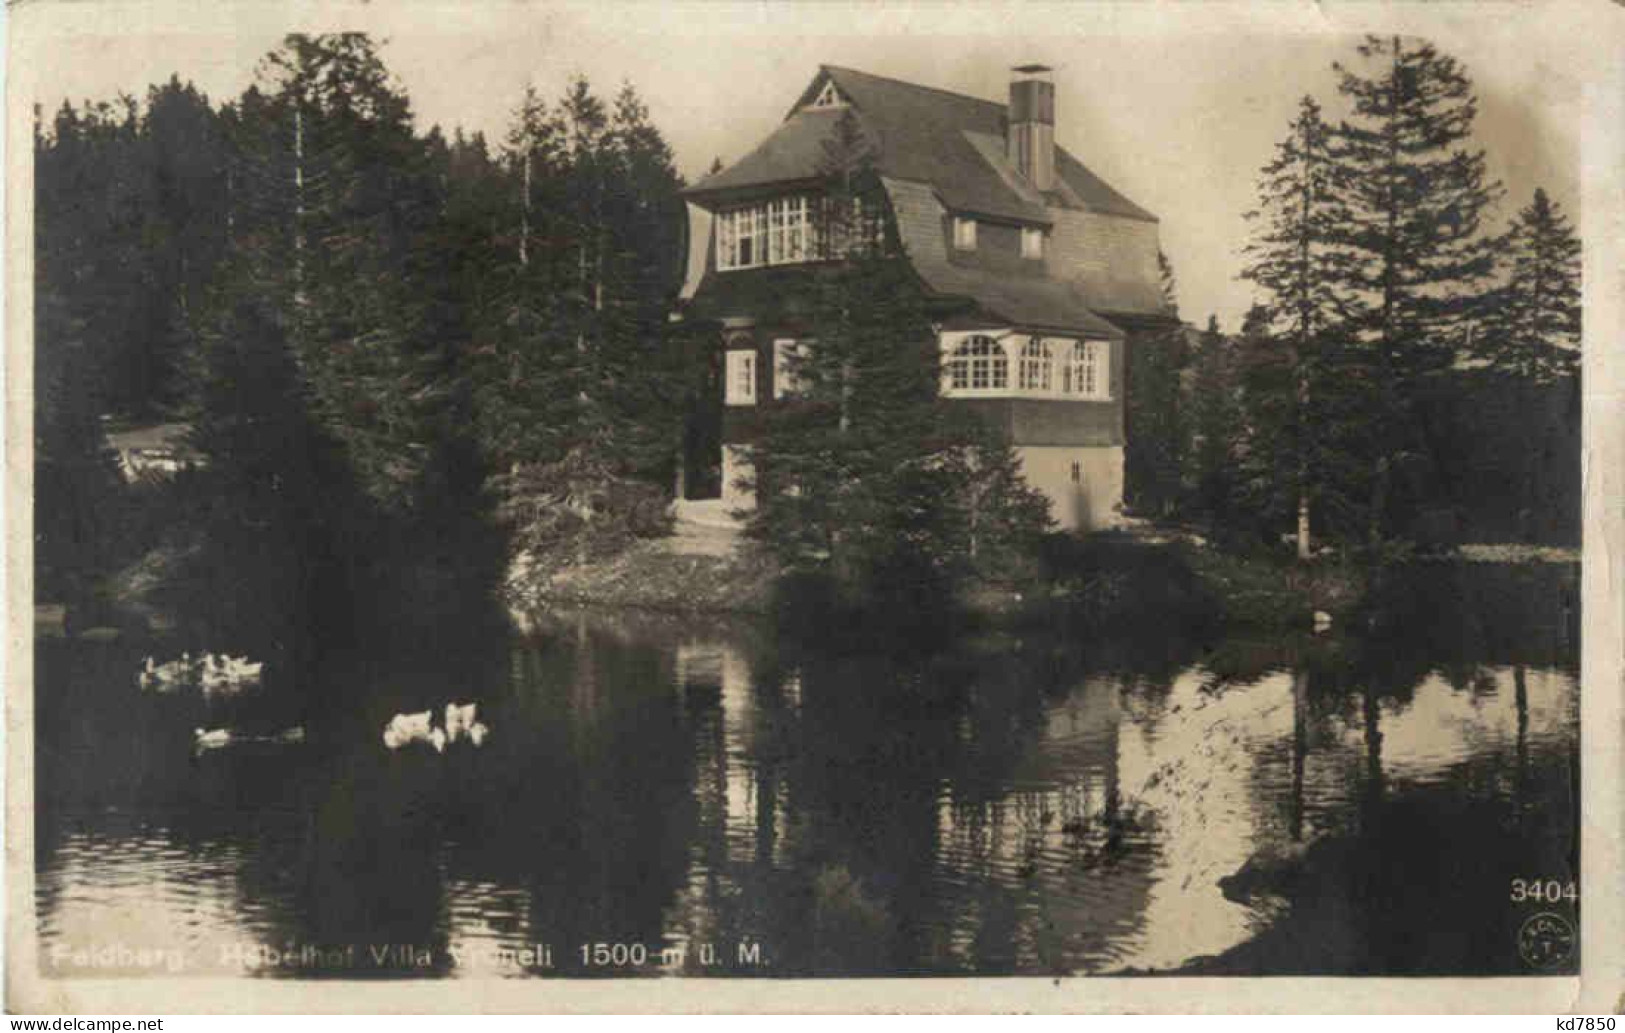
<point>716,681</point>
<point>154,450</point>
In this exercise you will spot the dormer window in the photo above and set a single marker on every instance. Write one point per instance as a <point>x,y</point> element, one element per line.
<point>797,228</point>
<point>828,97</point>
<point>775,232</point>
<point>964,234</point>
<point>1032,243</point>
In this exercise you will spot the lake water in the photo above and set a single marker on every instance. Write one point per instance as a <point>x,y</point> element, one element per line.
<point>664,796</point>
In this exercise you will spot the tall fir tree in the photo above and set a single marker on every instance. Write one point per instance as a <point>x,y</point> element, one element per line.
<point>1416,193</point>
<point>1531,327</point>
<point>337,165</point>
<point>183,160</point>
<point>866,473</point>
<point>1168,284</point>
<point>1215,426</point>
<point>87,305</point>
<point>578,398</point>
<point>1301,275</point>
<point>1154,457</point>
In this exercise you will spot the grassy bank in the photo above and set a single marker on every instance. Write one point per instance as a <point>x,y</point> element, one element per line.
<point>649,574</point>
<point>1266,591</point>
<point>1102,581</point>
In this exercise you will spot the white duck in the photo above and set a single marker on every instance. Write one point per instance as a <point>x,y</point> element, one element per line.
<point>405,729</point>
<point>220,738</point>
<point>165,676</point>
<point>238,669</point>
<point>217,739</point>
<point>222,673</point>
<point>460,719</point>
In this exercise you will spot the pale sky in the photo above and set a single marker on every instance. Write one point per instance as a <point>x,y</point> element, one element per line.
<point>1175,105</point>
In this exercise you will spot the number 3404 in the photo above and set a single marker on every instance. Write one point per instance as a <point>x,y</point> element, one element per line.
<point>1547,890</point>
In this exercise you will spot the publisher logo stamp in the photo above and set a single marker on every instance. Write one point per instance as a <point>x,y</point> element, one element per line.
<point>1546,940</point>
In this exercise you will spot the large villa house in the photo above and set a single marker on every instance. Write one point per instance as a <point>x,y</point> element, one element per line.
<point>1039,274</point>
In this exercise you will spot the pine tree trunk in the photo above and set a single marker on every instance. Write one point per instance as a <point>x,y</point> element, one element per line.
<point>524,213</point>
<point>299,205</point>
<point>1379,499</point>
<point>1305,547</point>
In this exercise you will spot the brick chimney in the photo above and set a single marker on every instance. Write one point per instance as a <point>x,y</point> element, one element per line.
<point>1030,142</point>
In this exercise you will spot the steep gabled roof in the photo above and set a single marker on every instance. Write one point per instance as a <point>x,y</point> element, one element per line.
<point>1032,302</point>
<point>920,133</point>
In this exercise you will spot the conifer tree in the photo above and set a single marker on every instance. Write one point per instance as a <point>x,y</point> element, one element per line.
<point>1301,274</point>
<point>578,398</point>
<point>866,473</point>
<point>1168,284</point>
<point>84,308</point>
<point>1415,193</point>
<point>182,154</point>
<point>1532,329</point>
<point>336,163</point>
<point>1215,426</point>
<point>1154,457</point>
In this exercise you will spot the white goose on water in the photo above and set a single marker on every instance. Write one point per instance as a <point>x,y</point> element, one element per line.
<point>460,718</point>
<point>165,676</point>
<point>219,738</point>
<point>405,729</point>
<point>214,740</point>
<point>221,673</point>
<point>463,722</point>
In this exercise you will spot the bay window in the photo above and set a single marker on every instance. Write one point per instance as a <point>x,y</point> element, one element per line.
<point>1037,366</point>
<point>979,364</point>
<point>1026,366</point>
<point>1086,375</point>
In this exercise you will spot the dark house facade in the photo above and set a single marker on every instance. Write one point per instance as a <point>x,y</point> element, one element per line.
<point>1040,275</point>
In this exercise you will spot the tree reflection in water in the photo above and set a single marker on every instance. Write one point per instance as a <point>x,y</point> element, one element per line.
<point>1031,802</point>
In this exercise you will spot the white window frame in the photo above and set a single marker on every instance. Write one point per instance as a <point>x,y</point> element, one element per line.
<point>786,384</point>
<point>977,365</point>
<point>777,231</point>
<point>828,97</point>
<point>1032,242</point>
<point>740,386</point>
<point>964,233</point>
<point>1088,371</point>
<point>1035,369</point>
<point>1035,366</point>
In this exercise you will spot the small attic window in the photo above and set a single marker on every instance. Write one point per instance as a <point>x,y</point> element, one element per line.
<point>828,97</point>
<point>964,234</point>
<point>1032,242</point>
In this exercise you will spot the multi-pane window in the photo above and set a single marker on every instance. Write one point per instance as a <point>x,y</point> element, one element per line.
<point>1037,369</point>
<point>739,238</point>
<point>1043,367</point>
<point>1032,243</point>
<point>1086,373</point>
<point>741,385</point>
<point>964,233</point>
<point>786,229</point>
<point>979,364</point>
